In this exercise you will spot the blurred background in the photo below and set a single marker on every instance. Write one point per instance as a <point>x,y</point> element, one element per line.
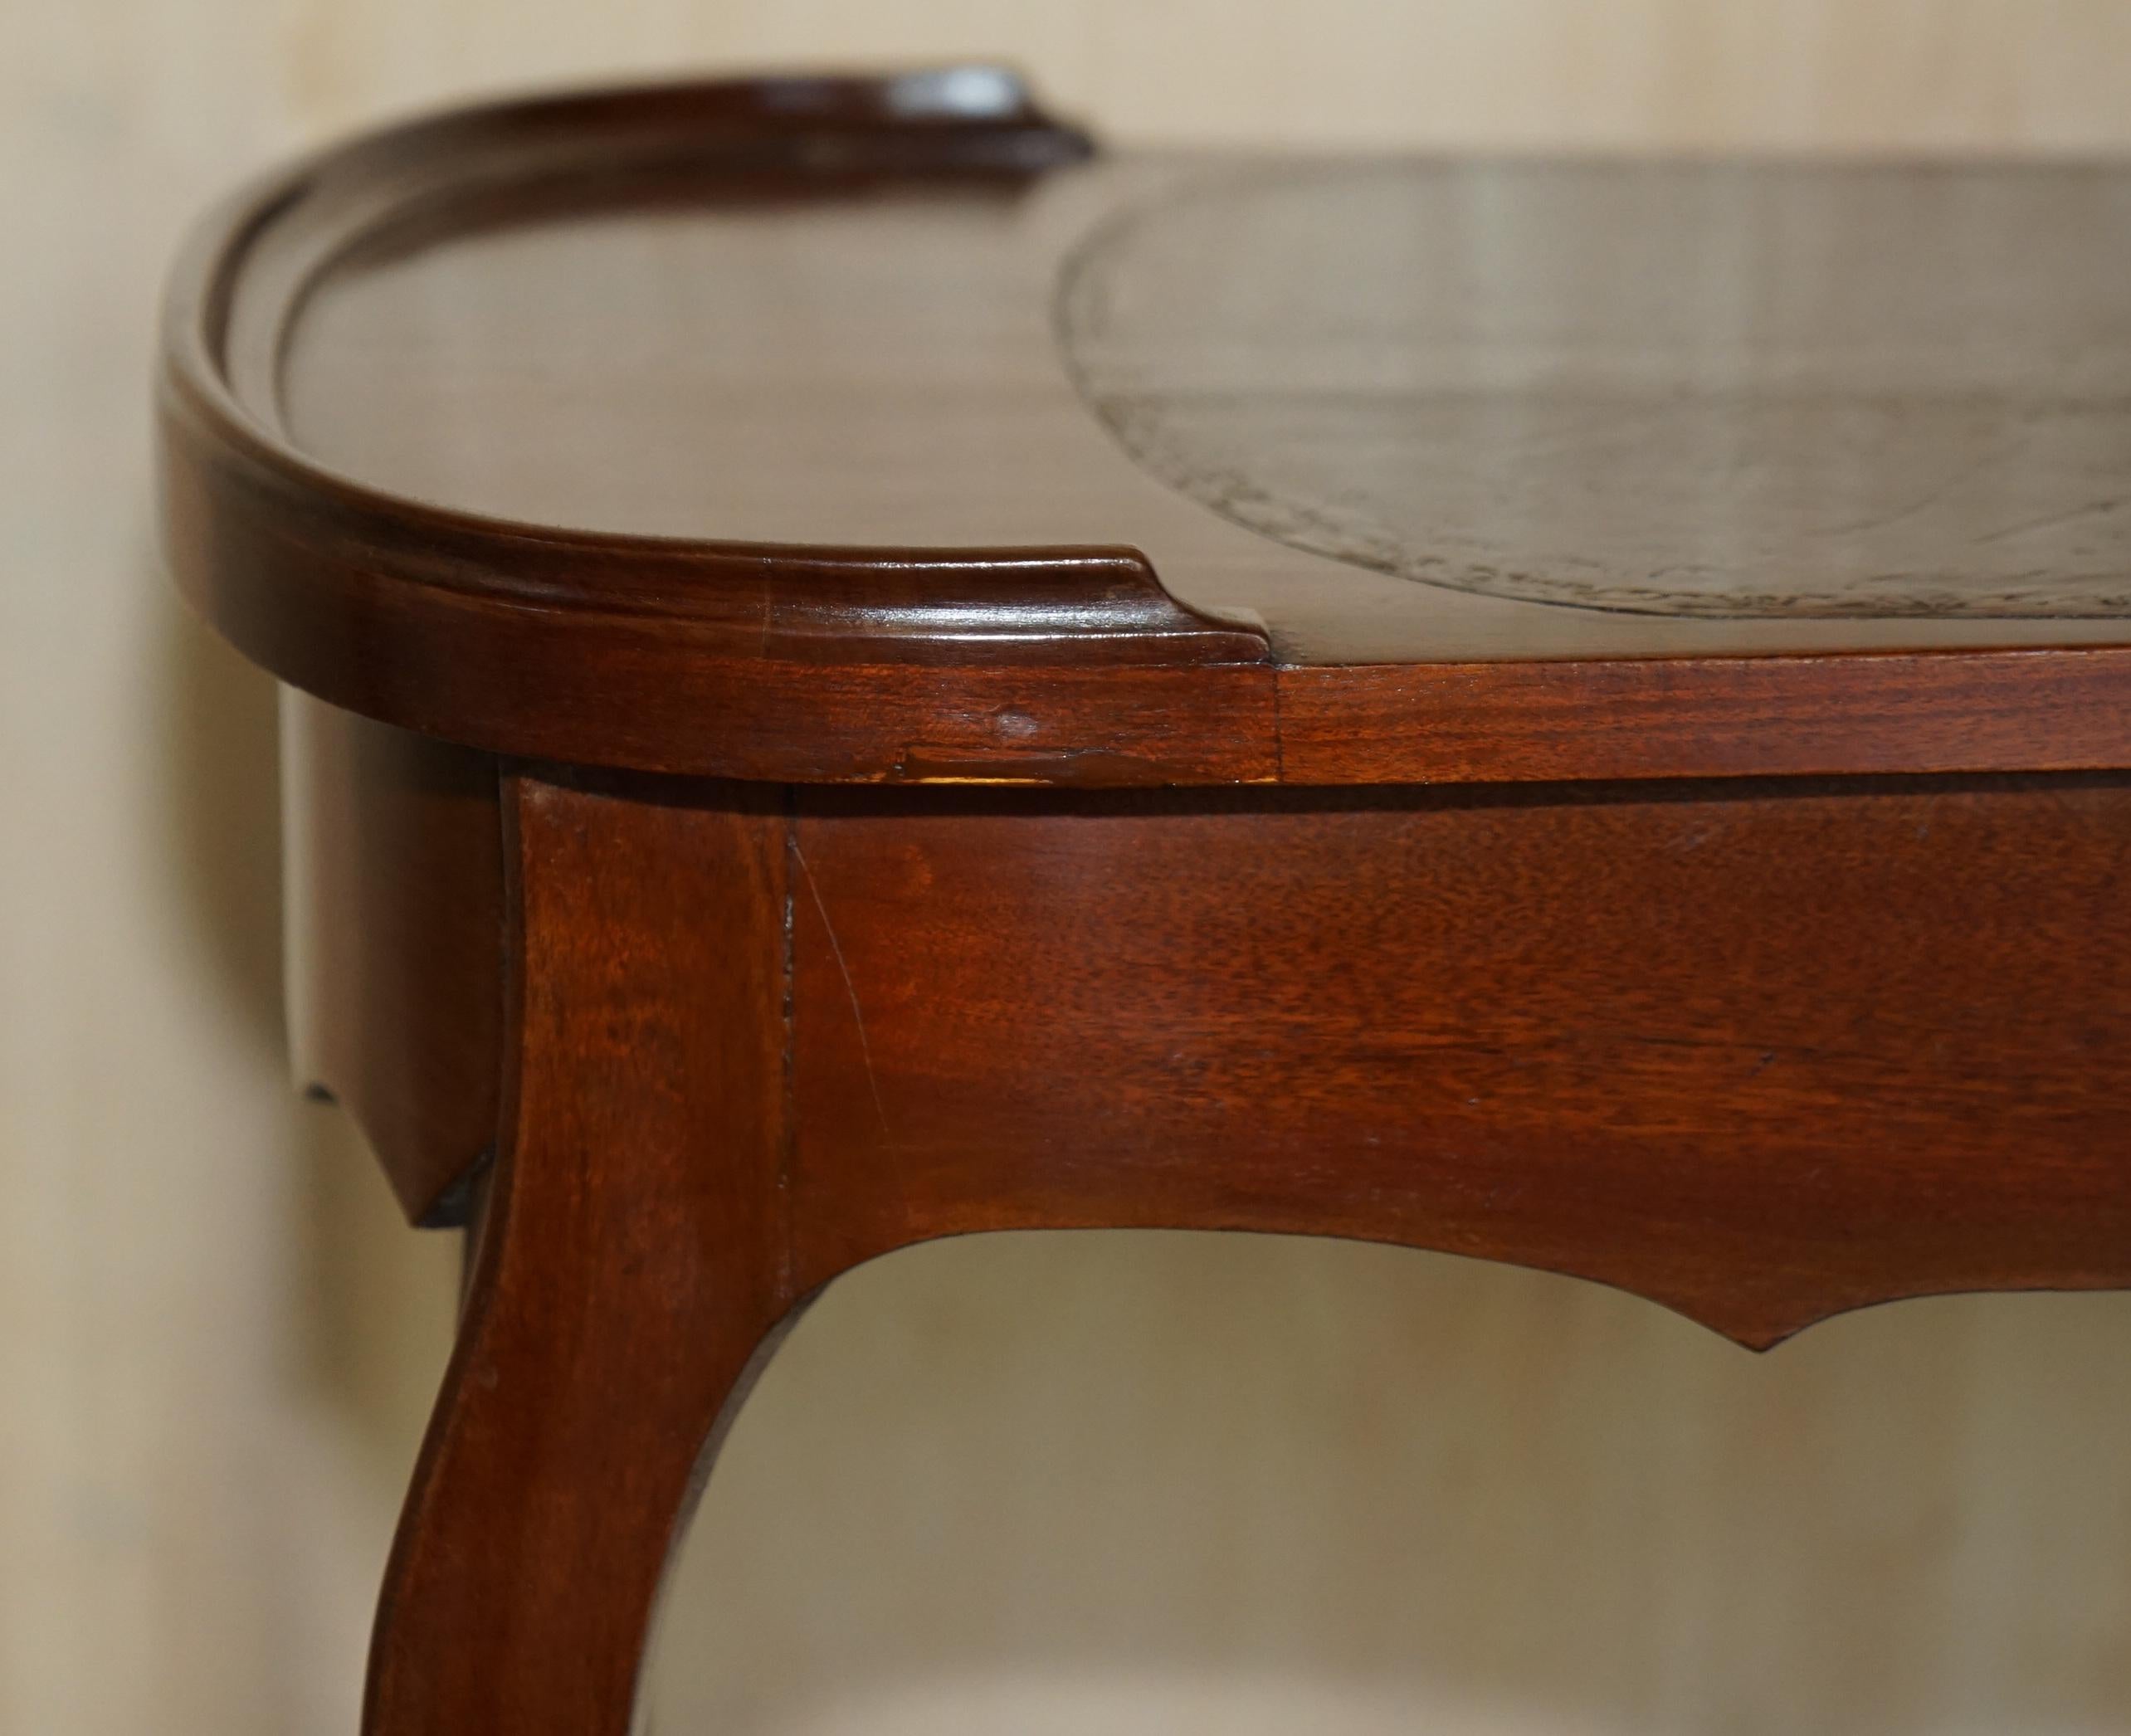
<point>1117,1484</point>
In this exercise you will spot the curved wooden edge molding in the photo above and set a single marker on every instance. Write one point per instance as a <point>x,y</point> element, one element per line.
<point>1044,666</point>
<point>750,660</point>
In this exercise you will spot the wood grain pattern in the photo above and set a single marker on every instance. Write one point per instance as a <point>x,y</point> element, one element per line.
<point>1760,1053</point>
<point>147,1231</point>
<point>1715,717</point>
<point>399,379</point>
<point>629,1266</point>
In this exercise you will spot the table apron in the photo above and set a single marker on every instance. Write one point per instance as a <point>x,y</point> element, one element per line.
<point>1762,1054</point>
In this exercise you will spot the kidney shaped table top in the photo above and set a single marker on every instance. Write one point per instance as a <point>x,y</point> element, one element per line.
<point>859,670</point>
<point>676,429</point>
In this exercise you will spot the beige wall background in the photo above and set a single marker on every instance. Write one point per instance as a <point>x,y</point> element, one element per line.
<point>1129,1483</point>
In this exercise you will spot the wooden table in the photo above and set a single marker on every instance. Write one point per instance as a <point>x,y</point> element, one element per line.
<point>858,671</point>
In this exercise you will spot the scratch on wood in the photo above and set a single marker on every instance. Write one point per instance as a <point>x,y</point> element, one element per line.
<point>2093,509</point>
<point>788,1134</point>
<point>850,988</point>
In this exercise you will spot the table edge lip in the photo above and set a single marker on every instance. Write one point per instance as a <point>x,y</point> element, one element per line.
<point>260,535</point>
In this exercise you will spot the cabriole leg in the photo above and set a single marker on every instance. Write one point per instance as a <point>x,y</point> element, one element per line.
<point>630,1271</point>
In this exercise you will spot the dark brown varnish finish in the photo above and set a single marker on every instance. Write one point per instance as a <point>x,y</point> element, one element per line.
<point>1760,1057</point>
<point>906,858</point>
<point>985,583</point>
<point>629,1264</point>
<point>393,915</point>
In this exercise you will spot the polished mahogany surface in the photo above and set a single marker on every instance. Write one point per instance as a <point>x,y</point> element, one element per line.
<point>1762,1051</point>
<point>787,429</point>
<point>1371,405</point>
<point>1692,525</point>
